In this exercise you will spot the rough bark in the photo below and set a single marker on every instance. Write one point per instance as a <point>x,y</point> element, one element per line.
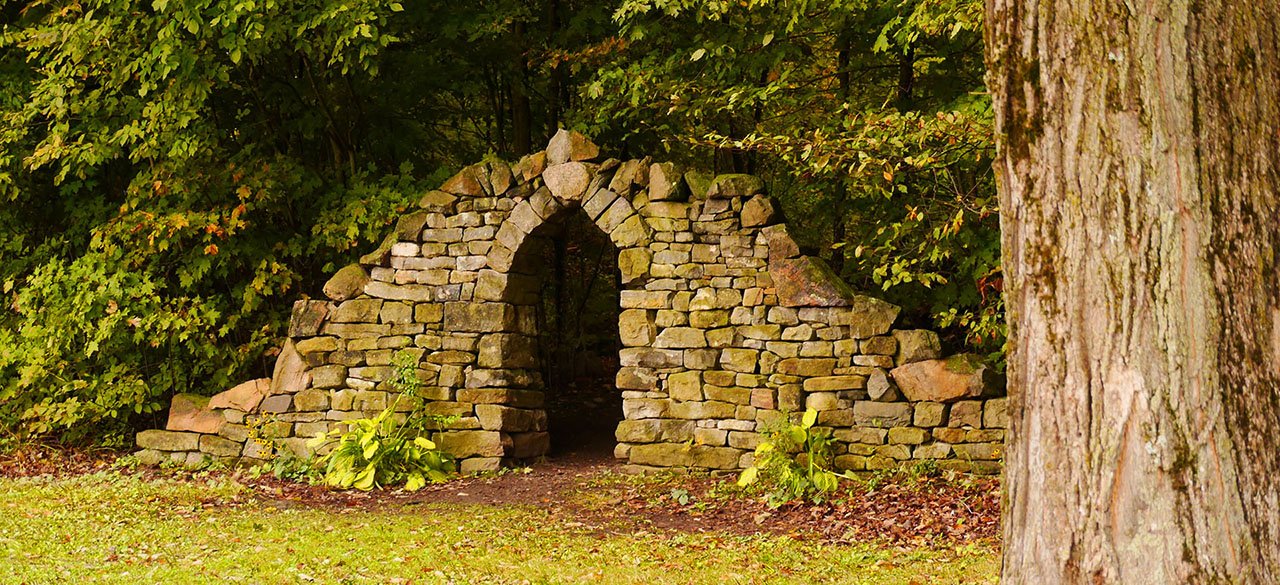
<point>1139,146</point>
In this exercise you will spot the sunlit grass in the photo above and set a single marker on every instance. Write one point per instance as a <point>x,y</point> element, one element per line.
<point>113,528</point>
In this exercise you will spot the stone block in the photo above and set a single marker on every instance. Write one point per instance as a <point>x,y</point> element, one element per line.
<point>683,455</point>
<point>735,185</point>
<point>494,417</point>
<point>882,414</point>
<point>981,451</point>
<point>480,317</point>
<point>568,181</point>
<point>907,436</point>
<point>881,388</point>
<point>680,338</point>
<point>666,183</point>
<point>731,395</point>
<point>633,264</point>
<point>685,386</point>
<point>633,378</point>
<point>916,345</point>
<point>465,444</point>
<point>955,378</point>
<point>507,396</point>
<point>834,383</point>
<point>760,211</point>
<point>276,403</point>
<point>311,401</point>
<point>168,440</point>
<point>930,414</point>
<point>740,360</point>
<point>220,447</point>
<point>307,317</point>
<point>332,376</point>
<point>807,367</point>
<point>966,413</point>
<point>995,414</point>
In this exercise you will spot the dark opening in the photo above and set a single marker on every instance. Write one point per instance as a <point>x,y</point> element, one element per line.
<point>578,344</point>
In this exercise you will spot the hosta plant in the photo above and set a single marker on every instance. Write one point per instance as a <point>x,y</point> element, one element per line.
<point>794,462</point>
<point>386,450</point>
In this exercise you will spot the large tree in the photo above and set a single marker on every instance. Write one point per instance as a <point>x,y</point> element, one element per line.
<point>1138,175</point>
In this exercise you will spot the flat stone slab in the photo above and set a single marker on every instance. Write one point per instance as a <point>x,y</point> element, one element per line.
<point>169,440</point>
<point>191,412</point>
<point>244,397</point>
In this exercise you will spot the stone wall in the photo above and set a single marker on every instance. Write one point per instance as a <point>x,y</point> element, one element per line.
<point>727,327</point>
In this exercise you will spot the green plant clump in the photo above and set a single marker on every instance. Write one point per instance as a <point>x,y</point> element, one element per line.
<point>388,450</point>
<point>790,477</point>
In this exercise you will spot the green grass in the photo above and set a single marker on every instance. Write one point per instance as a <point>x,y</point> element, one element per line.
<point>114,528</point>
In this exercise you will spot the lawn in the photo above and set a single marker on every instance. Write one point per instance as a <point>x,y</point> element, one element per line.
<point>114,526</point>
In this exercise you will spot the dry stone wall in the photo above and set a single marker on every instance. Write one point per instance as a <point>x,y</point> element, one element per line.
<point>727,327</point>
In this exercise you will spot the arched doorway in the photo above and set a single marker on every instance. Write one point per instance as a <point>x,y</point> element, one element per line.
<point>573,267</point>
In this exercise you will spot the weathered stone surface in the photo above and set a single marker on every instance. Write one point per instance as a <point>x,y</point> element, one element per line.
<point>881,414</point>
<point>868,317</point>
<point>631,232</point>
<point>346,283</point>
<point>480,317</point>
<point>685,386</point>
<point>307,317</point>
<point>966,413</point>
<point>808,282</point>
<point>568,181</point>
<point>463,444</point>
<point>357,311</point>
<point>437,201</point>
<point>244,397</point>
<point>995,414</point>
<point>168,440</point>
<point>666,183</point>
<point>880,388</point>
<point>760,211</point>
<point>470,181</point>
<point>495,417</point>
<point>568,146</point>
<point>728,186</point>
<point>509,350</point>
<point>191,412</point>
<point>290,373</point>
<point>406,292</point>
<point>674,454</point>
<point>634,264</point>
<point>654,430</point>
<point>917,345</point>
<point>636,328</point>
<point>955,378</point>
<point>220,447</point>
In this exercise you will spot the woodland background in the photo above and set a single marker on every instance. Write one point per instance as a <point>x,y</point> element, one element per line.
<point>174,174</point>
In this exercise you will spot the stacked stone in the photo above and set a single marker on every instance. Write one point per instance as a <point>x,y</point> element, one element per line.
<point>726,327</point>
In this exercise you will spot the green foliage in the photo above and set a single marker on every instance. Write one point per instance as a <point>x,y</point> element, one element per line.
<point>786,476</point>
<point>868,118</point>
<point>386,450</point>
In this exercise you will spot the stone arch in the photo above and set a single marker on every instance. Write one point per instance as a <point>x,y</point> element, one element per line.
<point>726,325</point>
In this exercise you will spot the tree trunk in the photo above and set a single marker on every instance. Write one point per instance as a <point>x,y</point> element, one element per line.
<point>1138,181</point>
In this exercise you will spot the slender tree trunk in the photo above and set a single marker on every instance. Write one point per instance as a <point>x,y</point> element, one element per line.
<point>521,111</point>
<point>1139,148</point>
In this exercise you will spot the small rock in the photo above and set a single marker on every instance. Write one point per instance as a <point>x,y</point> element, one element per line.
<point>568,146</point>
<point>347,283</point>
